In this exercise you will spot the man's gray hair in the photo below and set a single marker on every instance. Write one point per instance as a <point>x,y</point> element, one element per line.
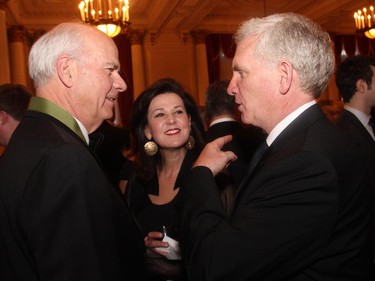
<point>66,38</point>
<point>296,39</point>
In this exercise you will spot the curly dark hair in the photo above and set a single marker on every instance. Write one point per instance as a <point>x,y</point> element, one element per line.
<point>146,166</point>
<point>350,71</point>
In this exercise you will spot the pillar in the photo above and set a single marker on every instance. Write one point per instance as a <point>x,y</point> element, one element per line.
<point>4,53</point>
<point>199,38</point>
<point>17,55</point>
<point>139,81</point>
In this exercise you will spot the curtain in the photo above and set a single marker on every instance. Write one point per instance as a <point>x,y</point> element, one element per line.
<point>125,99</point>
<point>215,44</point>
<point>352,45</point>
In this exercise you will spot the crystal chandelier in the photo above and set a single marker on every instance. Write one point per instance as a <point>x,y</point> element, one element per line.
<point>109,16</point>
<point>365,22</point>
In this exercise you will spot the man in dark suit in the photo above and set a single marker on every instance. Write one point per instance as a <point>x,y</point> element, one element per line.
<point>60,218</point>
<point>222,119</point>
<point>356,84</point>
<point>302,211</point>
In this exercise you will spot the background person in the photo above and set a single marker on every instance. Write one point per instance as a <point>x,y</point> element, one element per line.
<point>14,99</point>
<point>108,143</point>
<point>356,84</point>
<point>222,119</point>
<point>303,210</point>
<point>60,217</point>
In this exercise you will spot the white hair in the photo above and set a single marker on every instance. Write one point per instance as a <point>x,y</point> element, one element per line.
<point>66,38</point>
<point>296,39</point>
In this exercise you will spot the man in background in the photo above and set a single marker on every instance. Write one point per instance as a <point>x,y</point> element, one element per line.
<point>222,118</point>
<point>14,99</point>
<point>356,84</point>
<point>109,142</point>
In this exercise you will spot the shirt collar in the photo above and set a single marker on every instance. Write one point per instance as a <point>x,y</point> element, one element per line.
<point>83,130</point>
<point>47,107</point>
<point>363,117</point>
<point>219,120</point>
<point>286,121</point>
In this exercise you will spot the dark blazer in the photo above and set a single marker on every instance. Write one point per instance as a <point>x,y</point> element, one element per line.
<point>108,142</point>
<point>363,143</point>
<point>303,214</point>
<point>60,219</point>
<point>245,141</point>
<point>355,132</point>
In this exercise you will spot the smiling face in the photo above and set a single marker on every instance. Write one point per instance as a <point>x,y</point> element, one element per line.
<point>168,122</point>
<point>98,82</point>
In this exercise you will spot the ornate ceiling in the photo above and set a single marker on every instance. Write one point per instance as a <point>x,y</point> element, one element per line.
<point>157,16</point>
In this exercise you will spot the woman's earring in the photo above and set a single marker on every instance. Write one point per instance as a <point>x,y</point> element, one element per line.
<point>150,148</point>
<point>191,142</point>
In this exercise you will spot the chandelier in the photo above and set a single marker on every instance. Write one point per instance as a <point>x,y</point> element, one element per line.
<point>365,22</point>
<point>109,16</point>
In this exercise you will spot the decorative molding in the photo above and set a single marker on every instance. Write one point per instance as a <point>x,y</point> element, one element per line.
<point>135,36</point>
<point>199,36</point>
<point>153,38</point>
<point>3,4</point>
<point>185,38</point>
<point>32,35</point>
<point>16,33</point>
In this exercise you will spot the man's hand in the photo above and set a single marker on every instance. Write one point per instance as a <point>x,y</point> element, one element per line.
<point>214,158</point>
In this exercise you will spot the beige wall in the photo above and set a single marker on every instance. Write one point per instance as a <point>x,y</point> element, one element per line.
<point>169,57</point>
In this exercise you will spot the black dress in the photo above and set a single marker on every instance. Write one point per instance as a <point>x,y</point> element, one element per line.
<point>152,217</point>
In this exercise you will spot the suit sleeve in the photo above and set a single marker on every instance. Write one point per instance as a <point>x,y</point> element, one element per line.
<point>282,217</point>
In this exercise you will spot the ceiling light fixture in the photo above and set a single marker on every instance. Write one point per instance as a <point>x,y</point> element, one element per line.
<point>365,22</point>
<point>109,16</point>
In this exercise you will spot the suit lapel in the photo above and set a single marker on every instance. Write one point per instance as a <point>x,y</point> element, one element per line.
<point>281,145</point>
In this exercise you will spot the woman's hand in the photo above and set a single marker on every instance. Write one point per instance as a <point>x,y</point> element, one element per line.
<point>153,240</point>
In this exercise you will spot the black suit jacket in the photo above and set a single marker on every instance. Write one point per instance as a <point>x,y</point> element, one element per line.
<point>243,144</point>
<point>303,214</point>
<point>108,142</point>
<point>245,141</point>
<point>60,219</point>
<point>363,143</point>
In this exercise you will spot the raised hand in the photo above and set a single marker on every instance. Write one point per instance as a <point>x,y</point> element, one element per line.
<point>214,158</point>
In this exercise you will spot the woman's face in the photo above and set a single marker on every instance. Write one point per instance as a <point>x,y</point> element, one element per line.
<point>168,122</point>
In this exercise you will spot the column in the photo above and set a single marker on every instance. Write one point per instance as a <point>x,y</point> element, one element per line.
<point>199,37</point>
<point>139,81</point>
<point>17,55</point>
<point>4,53</point>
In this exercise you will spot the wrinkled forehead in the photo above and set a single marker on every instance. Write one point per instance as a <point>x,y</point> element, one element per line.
<point>101,48</point>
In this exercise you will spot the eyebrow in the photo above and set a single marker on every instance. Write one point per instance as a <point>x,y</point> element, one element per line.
<point>175,107</point>
<point>238,68</point>
<point>113,65</point>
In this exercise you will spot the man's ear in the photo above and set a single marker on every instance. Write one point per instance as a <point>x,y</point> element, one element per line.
<point>361,86</point>
<point>64,70</point>
<point>286,76</point>
<point>3,118</point>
